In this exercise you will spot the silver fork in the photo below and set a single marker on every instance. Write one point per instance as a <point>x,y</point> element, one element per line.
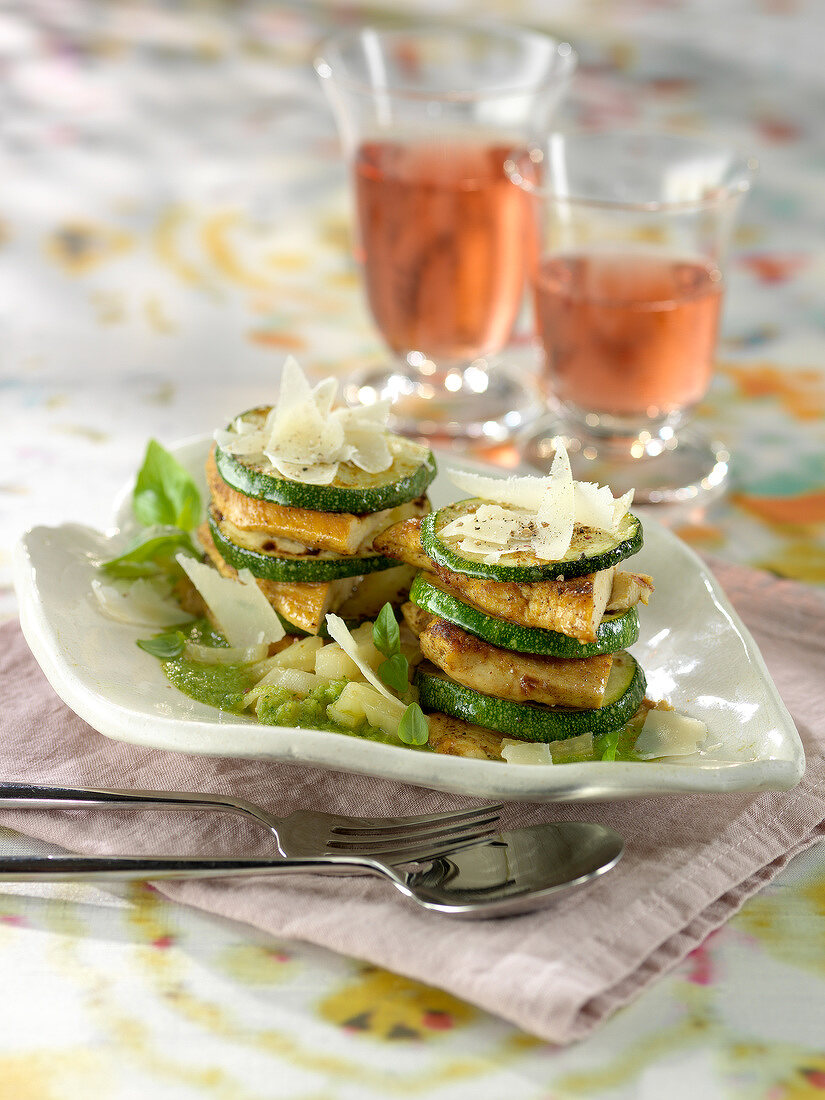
<point>305,833</point>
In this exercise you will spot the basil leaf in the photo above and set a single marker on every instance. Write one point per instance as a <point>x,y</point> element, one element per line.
<point>164,491</point>
<point>164,646</point>
<point>610,742</point>
<point>413,728</point>
<point>395,672</point>
<point>385,632</point>
<point>148,554</point>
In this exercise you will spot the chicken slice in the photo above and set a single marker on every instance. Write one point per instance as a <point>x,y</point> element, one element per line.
<point>454,737</point>
<point>263,521</point>
<point>403,541</point>
<point>574,606</point>
<point>628,590</point>
<point>416,618</point>
<point>520,677</point>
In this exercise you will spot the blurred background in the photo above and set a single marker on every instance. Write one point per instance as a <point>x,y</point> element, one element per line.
<point>174,219</point>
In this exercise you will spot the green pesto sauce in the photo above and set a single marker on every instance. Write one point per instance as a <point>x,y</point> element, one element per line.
<point>278,707</point>
<point>224,687</point>
<point>221,686</point>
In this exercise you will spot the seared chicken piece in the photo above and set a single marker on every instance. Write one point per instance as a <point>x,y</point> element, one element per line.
<point>628,590</point>
<point>416,618</point>
<point>454,737</point>
<point>339,531</point>
<point>403,541</point>
<point>520,677</point>
<point>574,606</point>
<point>386,586</point>
<point>303,603</point>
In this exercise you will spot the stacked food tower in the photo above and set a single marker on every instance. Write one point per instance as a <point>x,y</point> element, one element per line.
<point>522,615</point>
<point>298,493</point>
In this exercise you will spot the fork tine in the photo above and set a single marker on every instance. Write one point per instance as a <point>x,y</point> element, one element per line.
<point>374,842</point>
<point>422,852</point>
<point>358,827</point>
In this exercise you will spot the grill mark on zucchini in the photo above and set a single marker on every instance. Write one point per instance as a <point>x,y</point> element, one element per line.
<point>524,567</point>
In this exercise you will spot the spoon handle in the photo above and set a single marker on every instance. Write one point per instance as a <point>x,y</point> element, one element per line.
<point>79,868</point>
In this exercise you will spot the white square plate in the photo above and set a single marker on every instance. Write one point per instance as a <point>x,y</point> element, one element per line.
<point>693,647</point>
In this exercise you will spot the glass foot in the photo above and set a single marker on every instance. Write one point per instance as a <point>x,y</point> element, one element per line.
<point>675,466</point>
<point>475,402</point>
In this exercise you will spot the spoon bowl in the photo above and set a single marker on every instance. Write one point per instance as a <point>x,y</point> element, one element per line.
<point>516,872</point>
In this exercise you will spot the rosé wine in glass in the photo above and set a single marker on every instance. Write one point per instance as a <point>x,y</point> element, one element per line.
<point>442,241</point>
<point>634,334</point>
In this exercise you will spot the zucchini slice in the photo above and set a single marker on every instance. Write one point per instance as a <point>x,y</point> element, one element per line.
<point>616,631</point>
<point>532,721</point>
<point>590,550</point>
<point>317,565</point>
<point>352,490</point>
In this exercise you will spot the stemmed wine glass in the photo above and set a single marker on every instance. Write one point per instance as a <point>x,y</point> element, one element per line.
<point>427,117</point>
<point>630,234</point>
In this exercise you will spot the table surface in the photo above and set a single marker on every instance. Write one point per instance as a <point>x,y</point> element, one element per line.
<point>173,221</point>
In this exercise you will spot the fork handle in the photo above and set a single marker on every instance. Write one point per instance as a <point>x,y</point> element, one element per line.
<point>80,868</point>
<point>31,796</point>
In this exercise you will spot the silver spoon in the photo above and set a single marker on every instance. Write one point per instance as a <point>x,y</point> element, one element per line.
<point>517,871</point>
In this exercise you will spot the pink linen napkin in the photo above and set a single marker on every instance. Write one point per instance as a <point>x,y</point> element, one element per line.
<point>690,863</point>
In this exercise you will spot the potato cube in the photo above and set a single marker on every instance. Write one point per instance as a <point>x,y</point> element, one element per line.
<point>344,718</point>
<point>300,655</point>
<point>300,683</point>
<point>331,661</point>
<point>381,712</point>
<point>349,703</point>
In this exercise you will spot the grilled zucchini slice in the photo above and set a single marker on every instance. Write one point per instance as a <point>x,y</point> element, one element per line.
<point>532,721</point>
<point>352,490</point>
<point>590,550</point>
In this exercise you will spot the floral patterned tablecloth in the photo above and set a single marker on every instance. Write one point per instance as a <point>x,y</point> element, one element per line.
<point>173,220</point>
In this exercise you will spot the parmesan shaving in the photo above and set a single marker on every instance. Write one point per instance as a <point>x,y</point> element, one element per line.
<point>139,602</point>
<point>525,752</point>
<point>556,513</point>
<point>305,439</point>
<point>539,517</point>
<point>596,507</point>
<point>493,527</point>
<point>339,632</point>
<point>669,733</point>
<point>519,492</point>
<point>535,514</point>
<point>243,613</point>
